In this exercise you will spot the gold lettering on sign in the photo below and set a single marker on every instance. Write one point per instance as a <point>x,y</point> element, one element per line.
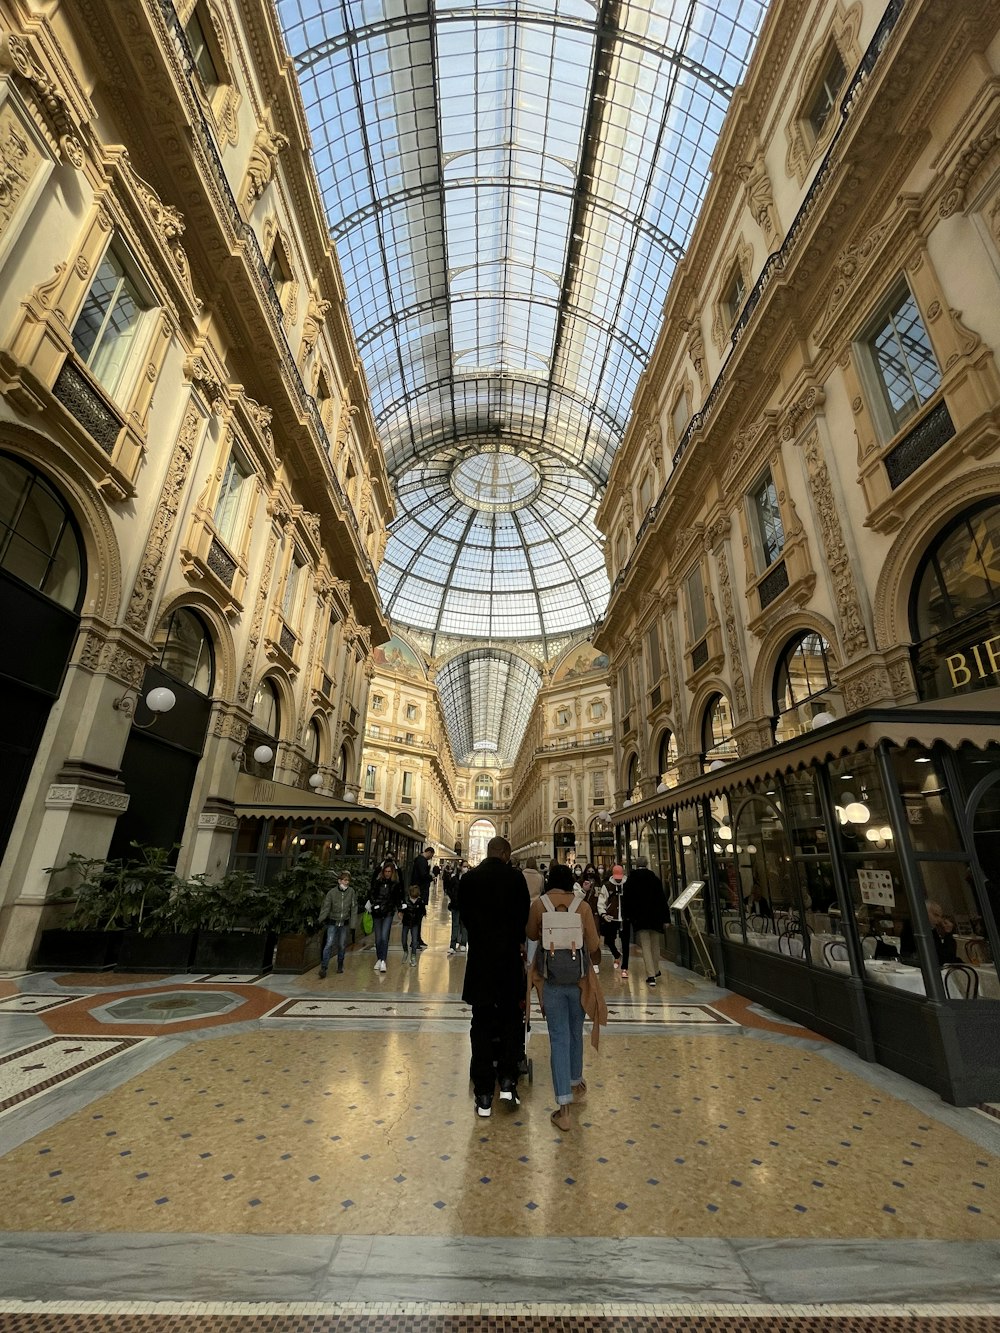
<point>960,670</point>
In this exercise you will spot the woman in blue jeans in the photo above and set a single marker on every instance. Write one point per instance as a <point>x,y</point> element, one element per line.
<point>565,1005</point>
<point>385,901</point>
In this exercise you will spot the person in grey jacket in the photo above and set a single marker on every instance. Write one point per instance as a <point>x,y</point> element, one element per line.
<point>340,910</point>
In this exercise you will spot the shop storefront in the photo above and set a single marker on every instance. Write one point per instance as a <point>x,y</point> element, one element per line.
<point>852,883</point>
<point>277,824</point>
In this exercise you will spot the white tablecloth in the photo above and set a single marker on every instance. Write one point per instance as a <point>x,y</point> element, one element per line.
<point>790,947</point>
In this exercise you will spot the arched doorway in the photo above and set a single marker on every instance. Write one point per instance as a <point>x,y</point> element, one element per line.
<point>160,762</point>
<point>479,835</point>
<point>42,578</point>
<point>564,841</point>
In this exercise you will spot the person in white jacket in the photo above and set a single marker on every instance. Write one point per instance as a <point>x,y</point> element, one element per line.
<point>610,919</point>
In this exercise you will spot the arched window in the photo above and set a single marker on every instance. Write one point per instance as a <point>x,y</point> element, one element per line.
<point>342,766</point>
<point>313,743</point>
<point>667,760</point>
<point>267,709</point>
<point>484,793</point>
<point>632,775</point>
<point>185,650</point>
<point>955,605</point>
<point>804,686</point>
<point>38,538</point>
<point>717,732</point>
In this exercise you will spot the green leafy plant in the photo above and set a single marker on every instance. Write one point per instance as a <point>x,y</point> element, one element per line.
<point>126,894</point>
<point>233,902</point>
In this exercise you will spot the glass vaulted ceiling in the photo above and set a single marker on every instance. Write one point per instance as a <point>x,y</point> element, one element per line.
<point>510,187</point>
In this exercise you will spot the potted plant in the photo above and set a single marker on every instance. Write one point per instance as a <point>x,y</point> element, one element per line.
<point>116,903</point>
<point>233,918</point>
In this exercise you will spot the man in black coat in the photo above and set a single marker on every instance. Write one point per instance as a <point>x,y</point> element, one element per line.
<point>645,905</point>
<point>493,902</point>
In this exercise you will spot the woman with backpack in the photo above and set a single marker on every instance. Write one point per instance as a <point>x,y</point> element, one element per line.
<point>569,986</point>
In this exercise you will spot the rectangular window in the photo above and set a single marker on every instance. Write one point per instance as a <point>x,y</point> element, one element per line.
<point>653,647</point>
<point>622,549</point>
<point>680,416</point>
<point>903,361</point>
<point>411,712</point>
<point>734,295</point>
<point>377,702</point>
<point>114,308</point>
<point>563,790</point>
<point>562,717</point>
<point>231,504</point>
<point>407,786</point>
<point>768,530</point>
<point>330,651</point>
<point>204,61</point>
<point>625,684</point>
<point>370,774</point>
<point>597,786</point>
<point>824,97</point>
<point>645,494</point>
<point>696,604</point>
<point>289,602</point>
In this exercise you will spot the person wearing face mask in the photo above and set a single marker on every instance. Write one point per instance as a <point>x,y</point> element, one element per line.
<point>340,909</point>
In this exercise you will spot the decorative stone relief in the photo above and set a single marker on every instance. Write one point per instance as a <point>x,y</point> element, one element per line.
<point>759,195</point>
<point>137,614</point>
<point>67,796</point>
<point>732,637</point>
<point>978,152</point>
<point>204,379</point>
<point>316,313</point>
<point>850,265</point>
<point>256,625</point>
<point>165,221</point>
<point>267,145</point>
<point>19,162</point>
<point>696,350</point>
<point>853,633</point>
<point>17,54</point>
<point>217,820</point>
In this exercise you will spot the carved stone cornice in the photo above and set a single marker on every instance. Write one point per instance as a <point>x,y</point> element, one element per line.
<point>979,135</point>
<point>60,106</point>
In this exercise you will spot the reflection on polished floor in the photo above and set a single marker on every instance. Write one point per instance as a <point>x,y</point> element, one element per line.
<point>154,1130</point>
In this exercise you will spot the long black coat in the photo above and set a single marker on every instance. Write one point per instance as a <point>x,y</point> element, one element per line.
<point>493,901</point>
<point>644,903</point>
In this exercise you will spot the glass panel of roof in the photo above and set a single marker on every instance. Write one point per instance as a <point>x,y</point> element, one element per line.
<point>510,188</point>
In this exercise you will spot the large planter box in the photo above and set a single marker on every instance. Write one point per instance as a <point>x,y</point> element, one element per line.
<point>233,951</point>
<point>298,953</point>
<point>156,953</point>
<point>79,950</point>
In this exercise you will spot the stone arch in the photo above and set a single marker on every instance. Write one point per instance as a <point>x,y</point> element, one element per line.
<point>665,728</point>
<point>774,644</point>
<point>286,701</point>
<point>696,714</point>
<point>892,593</point>
<point>632,754</point>
<point>103,595</point>
<point>326,754</point>
<point>194,599</point>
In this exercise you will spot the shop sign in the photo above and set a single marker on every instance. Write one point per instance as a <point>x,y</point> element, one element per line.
<point>975,663</point>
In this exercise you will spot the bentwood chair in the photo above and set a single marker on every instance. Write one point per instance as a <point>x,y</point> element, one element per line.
<point>961,982</point>
<point>834,951</point>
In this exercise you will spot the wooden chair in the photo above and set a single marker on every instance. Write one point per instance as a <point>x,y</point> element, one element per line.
<point>961,982</point>
<point>835,951</point>
<point>760,925</point>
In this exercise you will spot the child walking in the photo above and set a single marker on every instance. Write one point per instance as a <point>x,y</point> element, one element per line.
<point>414,911</point>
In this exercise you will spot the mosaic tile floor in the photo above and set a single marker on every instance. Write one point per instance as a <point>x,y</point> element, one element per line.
<point>725,1153</point>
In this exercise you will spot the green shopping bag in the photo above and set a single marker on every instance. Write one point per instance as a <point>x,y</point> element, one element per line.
<point>367,924</point>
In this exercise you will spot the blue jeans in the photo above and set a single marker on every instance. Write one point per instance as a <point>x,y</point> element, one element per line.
<point>383,925</point>
<point>564,1019</point>
<point>338,935</point>
<point>459,935</point>
<point>411,937</point>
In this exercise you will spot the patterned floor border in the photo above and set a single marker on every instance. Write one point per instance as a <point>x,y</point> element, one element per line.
<point>49,1066</point>
<point>321,1009</point>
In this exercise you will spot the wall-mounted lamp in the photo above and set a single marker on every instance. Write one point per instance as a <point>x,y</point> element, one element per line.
<point>315,781</point>
<point>822,720</point>
<point>263,754</point>
<point>160,700</point>
<point>715,765</point>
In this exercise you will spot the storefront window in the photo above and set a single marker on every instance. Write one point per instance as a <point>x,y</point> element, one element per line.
<point>766,876</point>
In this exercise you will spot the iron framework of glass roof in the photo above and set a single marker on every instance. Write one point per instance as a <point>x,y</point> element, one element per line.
<point>510,187</point>
<point>487,695</point>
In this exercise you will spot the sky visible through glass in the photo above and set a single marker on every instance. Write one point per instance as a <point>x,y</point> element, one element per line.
<point>509,187</point>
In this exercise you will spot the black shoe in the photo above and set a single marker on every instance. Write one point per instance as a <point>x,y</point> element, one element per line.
<point>508,1095</point>
<point>484,1105</point>
<point>322,975</point>
<point>650,981</point>
<point>340,967</point>
<point>421,945</point>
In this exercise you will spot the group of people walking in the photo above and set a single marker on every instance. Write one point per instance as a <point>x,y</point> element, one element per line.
<point>525,933</point>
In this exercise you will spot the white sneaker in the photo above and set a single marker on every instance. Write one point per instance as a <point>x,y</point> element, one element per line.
<point>378,965</point>
<point>382,966</point>
<point>452,953</point>
<point>597,967</point>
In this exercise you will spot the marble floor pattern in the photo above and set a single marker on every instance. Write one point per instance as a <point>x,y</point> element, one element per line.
<point>287,1139</point>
